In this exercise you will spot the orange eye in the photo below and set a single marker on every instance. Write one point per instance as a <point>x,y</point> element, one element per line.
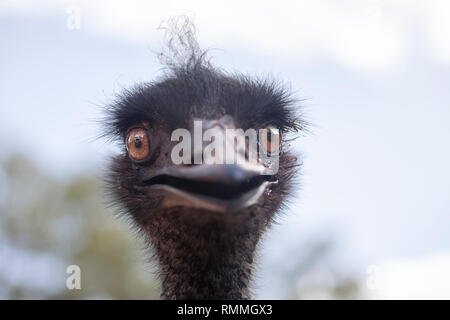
<point>138,145</point>
<point>270,139</point>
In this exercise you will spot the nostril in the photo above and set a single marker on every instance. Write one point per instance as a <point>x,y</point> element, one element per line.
<point>199,157</point>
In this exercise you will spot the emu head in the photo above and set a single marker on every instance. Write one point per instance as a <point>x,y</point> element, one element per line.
<point>204,217</point>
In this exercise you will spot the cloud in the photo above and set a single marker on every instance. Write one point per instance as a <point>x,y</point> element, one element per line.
<point>371,36</point>
<point>421,278</point>
<point>438,29</point>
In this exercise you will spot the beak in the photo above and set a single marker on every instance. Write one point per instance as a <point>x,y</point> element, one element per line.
<point>222,188</point>
<point>213,187</point>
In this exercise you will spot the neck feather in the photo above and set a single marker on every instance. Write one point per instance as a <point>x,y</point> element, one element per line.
<point>205,256</point>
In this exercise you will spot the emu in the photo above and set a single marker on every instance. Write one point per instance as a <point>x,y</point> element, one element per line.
<point>203,221</point>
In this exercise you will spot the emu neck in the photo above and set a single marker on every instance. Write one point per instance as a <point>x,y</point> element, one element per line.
<point>204,255</point>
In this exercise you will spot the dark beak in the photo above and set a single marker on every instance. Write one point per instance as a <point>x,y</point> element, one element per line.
<point>222,188</point>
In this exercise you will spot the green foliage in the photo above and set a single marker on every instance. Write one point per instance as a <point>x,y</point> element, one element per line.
<point>47,221</point>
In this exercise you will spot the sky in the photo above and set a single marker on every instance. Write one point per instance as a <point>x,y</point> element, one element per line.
<point>374,76</point>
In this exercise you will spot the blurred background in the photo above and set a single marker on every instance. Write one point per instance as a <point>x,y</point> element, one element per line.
<point>372,217</point>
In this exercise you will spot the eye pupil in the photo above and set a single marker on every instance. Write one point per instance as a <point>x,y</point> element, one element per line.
<point>271,139</point>
<point>137,142</point>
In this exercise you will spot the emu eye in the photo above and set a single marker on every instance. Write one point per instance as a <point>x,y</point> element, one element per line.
<point>270,139</point>
<point>138,144</point>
